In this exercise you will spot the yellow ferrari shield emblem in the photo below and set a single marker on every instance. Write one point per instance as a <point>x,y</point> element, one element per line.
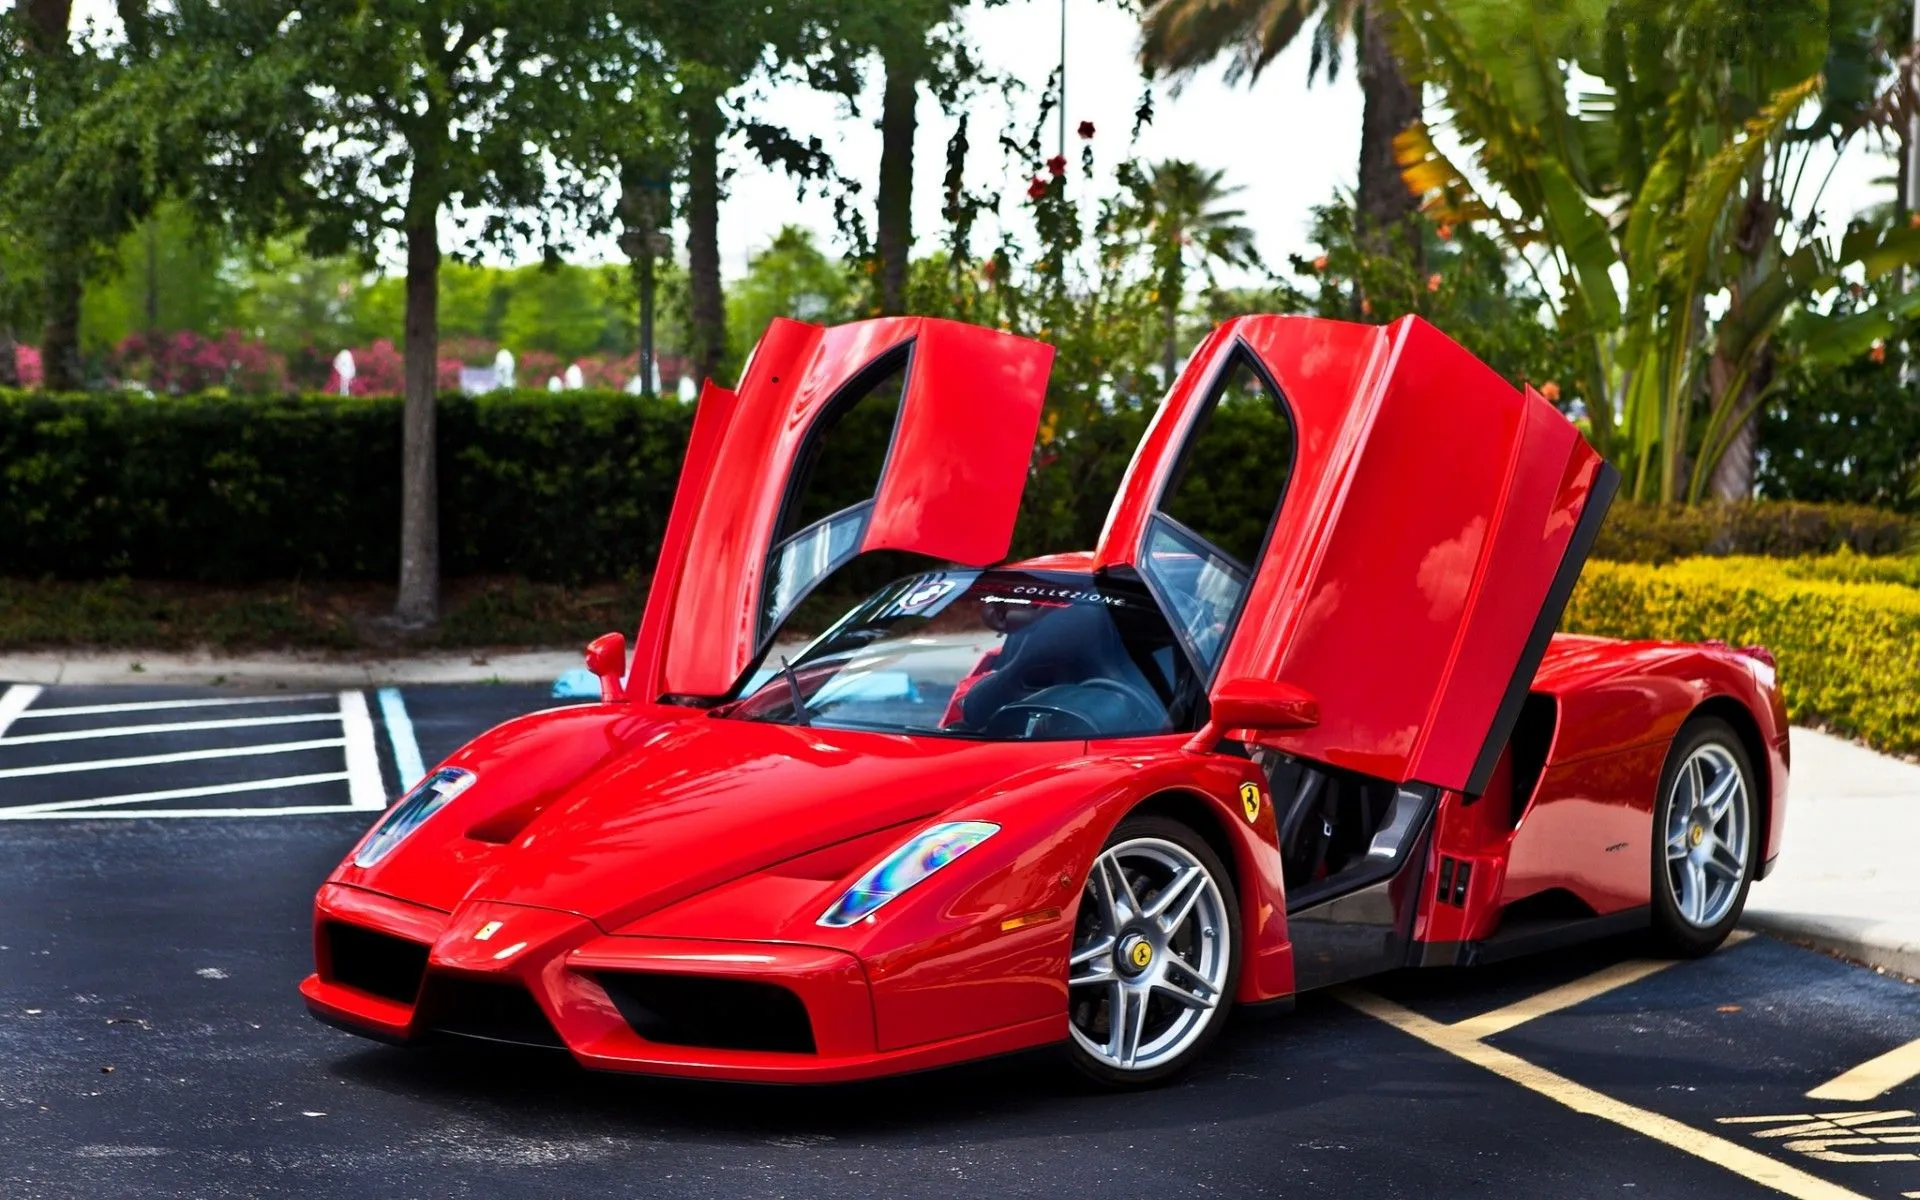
<point>1250,800</point>
<point>1142,954</point>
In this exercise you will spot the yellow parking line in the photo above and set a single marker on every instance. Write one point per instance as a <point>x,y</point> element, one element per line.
<point>1683,1137</point>
<point>1875,1077</point>
<point>1569,994</point>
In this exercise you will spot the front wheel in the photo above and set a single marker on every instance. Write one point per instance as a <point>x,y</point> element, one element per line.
<point>1156,954</point>
<point>1706,838</point>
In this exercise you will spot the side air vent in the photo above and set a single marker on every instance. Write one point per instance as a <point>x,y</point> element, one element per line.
<point>377,963</point>
<point>721,1014</point>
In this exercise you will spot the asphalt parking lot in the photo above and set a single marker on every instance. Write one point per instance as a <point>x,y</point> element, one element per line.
<point>158,853</point>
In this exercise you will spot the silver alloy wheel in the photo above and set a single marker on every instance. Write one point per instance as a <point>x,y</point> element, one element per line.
<point>1151,955</point>
<point>1708,834</point>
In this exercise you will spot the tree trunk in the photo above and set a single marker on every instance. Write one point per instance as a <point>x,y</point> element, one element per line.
<point>9,357</point>
<point>47,22</point>
<point>706,301</point>
<point>419,602</point>
<point>1733,475</point>
<point>60,338</point>
<point>1391,103</point>
<point>898,123</point>
<point>1170,337</point>
<point>153,277</point>
<point>643,190</point>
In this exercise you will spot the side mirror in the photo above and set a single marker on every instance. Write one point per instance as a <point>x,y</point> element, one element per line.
<point>1265,705</point>
<point>607,659</point>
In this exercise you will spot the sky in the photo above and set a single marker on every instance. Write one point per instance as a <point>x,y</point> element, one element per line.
<point>1288,146</point>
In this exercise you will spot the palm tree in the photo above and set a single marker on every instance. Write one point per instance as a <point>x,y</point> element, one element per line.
<point>1177,37</point>
<point>1175,207</point>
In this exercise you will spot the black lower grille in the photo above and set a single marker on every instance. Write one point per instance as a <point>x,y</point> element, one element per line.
<point>497,1012</point>
<point>375,962</point>
<point>722,1014</point>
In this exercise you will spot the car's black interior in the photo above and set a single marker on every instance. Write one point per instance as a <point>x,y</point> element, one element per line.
<point>1327,817</point>
<point>1067,674</point>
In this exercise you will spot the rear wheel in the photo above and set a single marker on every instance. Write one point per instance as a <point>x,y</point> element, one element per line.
<point>1156,951</point>
<point>1706,838</point>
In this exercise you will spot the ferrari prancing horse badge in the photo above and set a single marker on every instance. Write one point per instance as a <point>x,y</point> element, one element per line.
<point>1250,800</point>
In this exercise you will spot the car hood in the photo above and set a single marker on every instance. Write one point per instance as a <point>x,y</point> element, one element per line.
<point>669,804</point>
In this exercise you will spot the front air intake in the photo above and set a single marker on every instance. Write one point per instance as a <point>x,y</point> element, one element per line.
<point>374,962</point>
<point>719,1014</point>
<point>485,1009</point>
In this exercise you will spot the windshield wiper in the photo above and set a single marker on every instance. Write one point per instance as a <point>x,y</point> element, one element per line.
<point>792,677</point>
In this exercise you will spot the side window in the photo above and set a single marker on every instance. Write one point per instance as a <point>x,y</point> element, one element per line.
<point>1240,449</point>
<point>835,478</point>
<point>1204,543</point>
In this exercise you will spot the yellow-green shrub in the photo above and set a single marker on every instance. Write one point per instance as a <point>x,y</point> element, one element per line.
<point>1848,643</point>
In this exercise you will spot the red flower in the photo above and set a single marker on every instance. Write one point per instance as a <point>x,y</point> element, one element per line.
<point>1058,165</point>
<point>1086,129</point>
<point>1878,353</point>
<point>1551,391</point>
<point>1433,282</point>
<point>1320,264</point>
<point>1037,188</point>
<point>1446,232</point>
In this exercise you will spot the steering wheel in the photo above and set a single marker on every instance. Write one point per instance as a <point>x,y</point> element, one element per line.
<point>1017,716</point>
<point>1145,702</point>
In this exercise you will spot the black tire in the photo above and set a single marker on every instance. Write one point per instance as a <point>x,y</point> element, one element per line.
<point>1136,829</point>
<point>1673,933</point>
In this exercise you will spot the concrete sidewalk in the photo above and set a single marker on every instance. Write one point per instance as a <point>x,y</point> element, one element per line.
<point>1849,873</point>
<point>254,670</point>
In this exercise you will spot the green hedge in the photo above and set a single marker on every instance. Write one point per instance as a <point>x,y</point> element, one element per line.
<point>576,486</point>
<point>232,489</point>
<point>1846,630</point>
<point>1772,529</point>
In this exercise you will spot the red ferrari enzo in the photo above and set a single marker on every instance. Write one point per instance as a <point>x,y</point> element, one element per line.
<point>1094,799</point>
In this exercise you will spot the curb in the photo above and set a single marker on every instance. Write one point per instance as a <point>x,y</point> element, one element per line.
<point>288,670</point>
<point>1871,943</point>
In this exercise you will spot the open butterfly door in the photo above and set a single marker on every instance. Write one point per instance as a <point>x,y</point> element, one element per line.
<point>1427,523</point>
<point>765,508</point>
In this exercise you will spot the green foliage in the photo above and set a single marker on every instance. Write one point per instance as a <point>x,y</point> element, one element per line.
<point>790,278</point>
<point>170,261</point>
<point>1848,648</point>
<point>1463,282</point>
<point>1653,533</point>
<point>1843,432</point>
<point>1664,194</point>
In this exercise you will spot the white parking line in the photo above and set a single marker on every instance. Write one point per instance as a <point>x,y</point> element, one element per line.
<point>406,751</point>
<point>223,789</point>
<point>154,760</point>
<point>121,814</point>
<point>82,735</point>
<point>364,786</point>
<point>14,701</point>
<point>92,710</point>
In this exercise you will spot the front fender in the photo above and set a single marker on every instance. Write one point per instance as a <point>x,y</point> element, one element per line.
<point>984,942</point>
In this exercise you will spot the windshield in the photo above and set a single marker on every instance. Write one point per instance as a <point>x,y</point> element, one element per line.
<point>1002,655</point>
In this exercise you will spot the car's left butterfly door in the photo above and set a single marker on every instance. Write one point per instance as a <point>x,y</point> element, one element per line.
<point>766,506</point>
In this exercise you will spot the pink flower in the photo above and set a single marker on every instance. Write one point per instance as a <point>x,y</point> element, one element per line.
<point>26,360</point>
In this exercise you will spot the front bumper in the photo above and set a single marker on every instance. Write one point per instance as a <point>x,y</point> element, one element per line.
<point>483,963</point>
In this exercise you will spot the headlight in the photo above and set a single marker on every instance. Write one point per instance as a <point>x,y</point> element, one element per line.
<point>428,797</point>
<point>919,857</point>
